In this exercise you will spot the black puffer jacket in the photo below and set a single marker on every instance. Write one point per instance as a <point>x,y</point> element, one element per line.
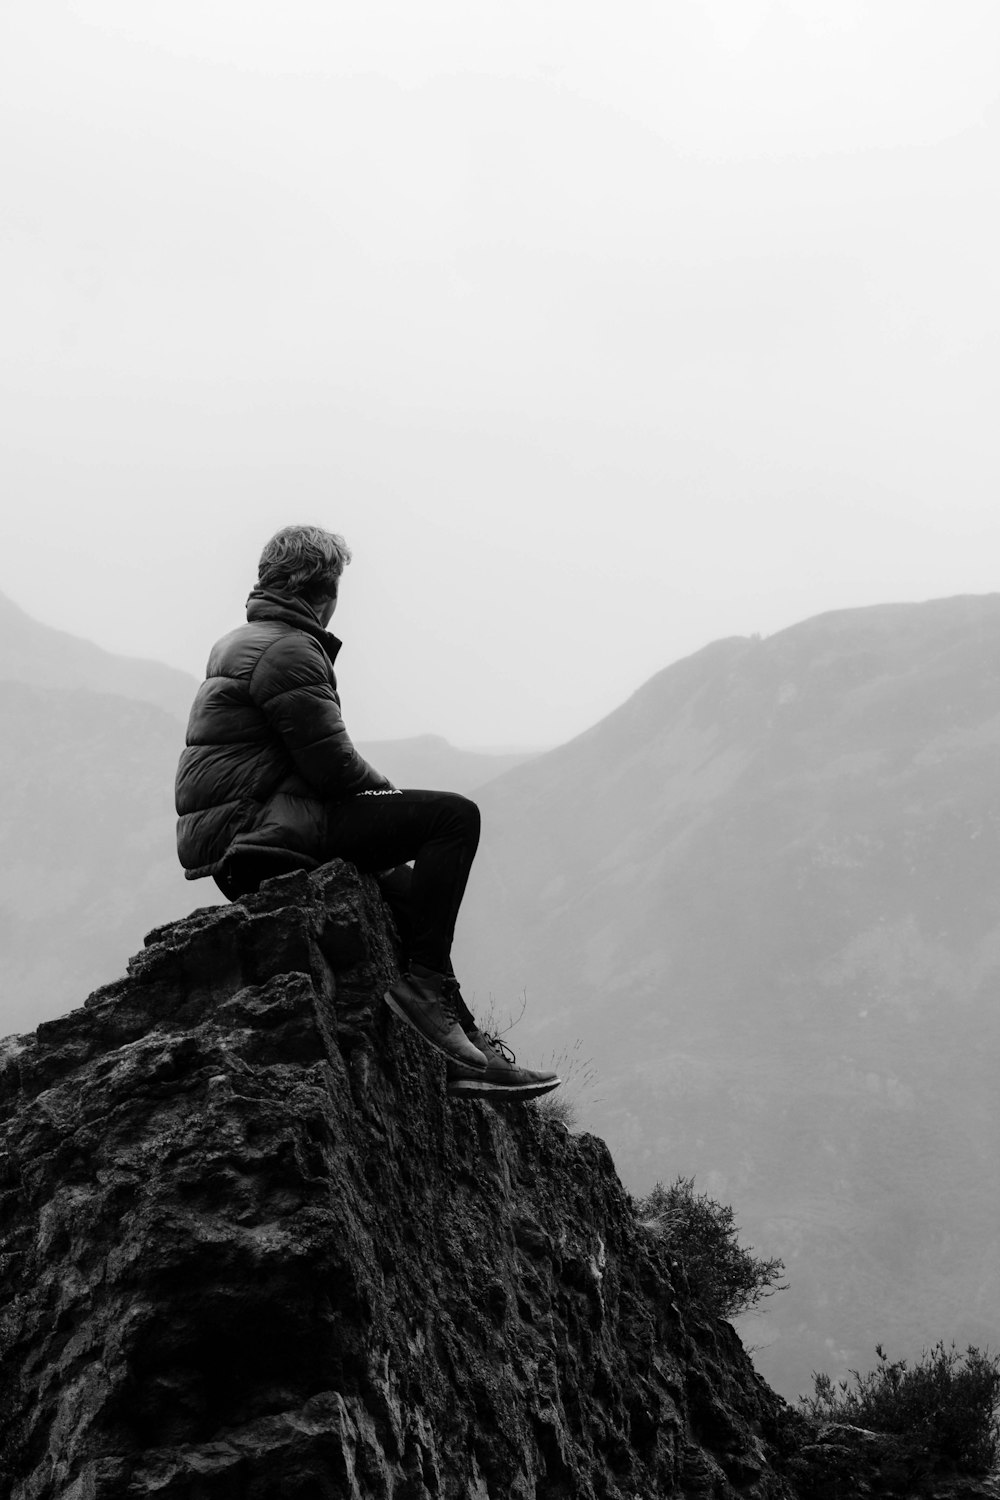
<point>266,744</point>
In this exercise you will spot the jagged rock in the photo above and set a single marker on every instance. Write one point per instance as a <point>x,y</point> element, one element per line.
<point>251,1250</point>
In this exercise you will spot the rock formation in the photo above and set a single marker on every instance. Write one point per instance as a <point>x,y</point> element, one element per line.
<point>249,1249</point>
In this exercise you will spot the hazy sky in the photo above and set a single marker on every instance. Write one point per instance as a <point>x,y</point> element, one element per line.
<point>601,331</point>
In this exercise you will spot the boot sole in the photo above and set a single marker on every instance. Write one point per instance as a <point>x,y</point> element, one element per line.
<point>398,1010</point>
<point>494,1090</point>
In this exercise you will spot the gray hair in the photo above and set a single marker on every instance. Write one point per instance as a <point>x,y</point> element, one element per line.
<point>303,560</point>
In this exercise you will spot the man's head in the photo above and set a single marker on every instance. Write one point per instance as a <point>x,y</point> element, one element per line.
<point>304,561</point>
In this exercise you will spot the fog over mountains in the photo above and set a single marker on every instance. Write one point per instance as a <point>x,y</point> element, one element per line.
<point>763,895</point>
<point>35,653</point>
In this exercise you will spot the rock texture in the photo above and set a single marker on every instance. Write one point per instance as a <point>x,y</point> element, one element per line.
<point>250,1250</point>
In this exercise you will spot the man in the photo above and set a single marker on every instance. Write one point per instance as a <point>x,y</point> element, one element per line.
<point>269,777</point>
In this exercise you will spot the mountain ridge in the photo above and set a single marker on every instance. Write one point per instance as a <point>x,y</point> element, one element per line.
<point>760,895</point>
<point>33,652</point>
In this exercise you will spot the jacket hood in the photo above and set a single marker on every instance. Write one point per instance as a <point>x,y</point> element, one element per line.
<point>265,604</point>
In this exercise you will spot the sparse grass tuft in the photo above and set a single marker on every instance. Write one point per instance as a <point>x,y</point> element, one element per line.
<point>579,1075</point>
<point>557,1107</point>
<point>494,1021</point>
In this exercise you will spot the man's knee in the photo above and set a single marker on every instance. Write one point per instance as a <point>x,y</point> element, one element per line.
<point>464,814</point>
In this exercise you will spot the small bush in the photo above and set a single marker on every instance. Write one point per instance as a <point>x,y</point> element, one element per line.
<point>948,1402</point>
<point>726,1278</point>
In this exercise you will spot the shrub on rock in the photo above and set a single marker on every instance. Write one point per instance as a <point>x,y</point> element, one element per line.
<point>946,1401</point>
<point>723,1275</point>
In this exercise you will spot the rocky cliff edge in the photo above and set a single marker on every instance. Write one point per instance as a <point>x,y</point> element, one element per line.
<point>249,1249</point>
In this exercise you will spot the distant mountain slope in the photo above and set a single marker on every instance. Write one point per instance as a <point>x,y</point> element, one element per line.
<point>765,896</point>
<point>35,653</point>
<point>87,863</point>
<point>427,760</point>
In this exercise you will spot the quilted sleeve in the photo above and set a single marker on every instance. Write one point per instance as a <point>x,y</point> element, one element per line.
<point>293,686</point>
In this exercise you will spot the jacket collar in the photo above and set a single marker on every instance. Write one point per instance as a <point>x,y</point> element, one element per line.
<point>265,604</point>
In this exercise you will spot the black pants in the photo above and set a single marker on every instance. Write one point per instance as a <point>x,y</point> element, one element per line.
<point>439,832</point>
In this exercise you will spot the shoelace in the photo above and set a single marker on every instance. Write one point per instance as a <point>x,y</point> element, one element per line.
<point>449,1000</point>
<point>500,1046</point>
